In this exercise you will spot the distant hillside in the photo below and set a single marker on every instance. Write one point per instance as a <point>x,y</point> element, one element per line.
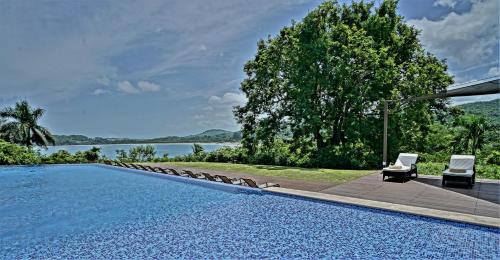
<point>489,109</point>
<point>209,136</point>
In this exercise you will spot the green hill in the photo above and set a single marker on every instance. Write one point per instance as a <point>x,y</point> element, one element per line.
<point>489,109</point>
<point>209,136</point>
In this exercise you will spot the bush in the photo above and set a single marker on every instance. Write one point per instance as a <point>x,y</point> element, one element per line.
<point>60,157</point>
<point>493,158</point>
<point>63,156</point>
<point>13,154</point>
<point>141,153</point>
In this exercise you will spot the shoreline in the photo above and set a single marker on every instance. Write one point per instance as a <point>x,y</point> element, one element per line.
<point>207,143</point>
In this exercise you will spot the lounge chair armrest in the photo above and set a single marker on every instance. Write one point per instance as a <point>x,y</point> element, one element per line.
<point>445,167</point>
<point>413,166</point>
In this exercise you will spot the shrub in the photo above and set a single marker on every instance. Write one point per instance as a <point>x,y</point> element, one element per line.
<point>493,158</point>
<point>59,157</point>
<point>14,154</point>
<point>93,154</point>
<point>141,153</point>
<point>63,156</point>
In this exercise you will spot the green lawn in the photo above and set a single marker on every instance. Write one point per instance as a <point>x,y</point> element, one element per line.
<point>308,174</point>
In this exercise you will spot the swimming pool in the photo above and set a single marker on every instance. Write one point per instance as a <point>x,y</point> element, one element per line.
<point>92,211</point>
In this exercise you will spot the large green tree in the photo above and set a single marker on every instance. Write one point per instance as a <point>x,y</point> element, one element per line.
<point>22,126</point>
<point>322,81</point>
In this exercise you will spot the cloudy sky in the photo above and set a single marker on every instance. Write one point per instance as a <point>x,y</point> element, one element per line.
<point>156,68</point>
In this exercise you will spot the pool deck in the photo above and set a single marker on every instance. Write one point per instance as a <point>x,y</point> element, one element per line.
<point>422,193</point>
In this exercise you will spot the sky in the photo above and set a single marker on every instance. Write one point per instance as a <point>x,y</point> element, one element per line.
<point>141,69</point>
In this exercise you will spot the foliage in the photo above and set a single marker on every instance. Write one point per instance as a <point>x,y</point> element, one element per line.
<point>23,127</point>
<point>63,156</point>
<point>471,133</point>
<point>197,149</point>
<point>489,109</point>
<point>493,158</point>
<point>13,154</point>
<point>140,153</point>
<point>92,155</point>
<point>226,154</point>
<point>322,80</point>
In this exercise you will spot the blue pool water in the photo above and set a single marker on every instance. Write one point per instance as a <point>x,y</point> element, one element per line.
<point>91,211</point>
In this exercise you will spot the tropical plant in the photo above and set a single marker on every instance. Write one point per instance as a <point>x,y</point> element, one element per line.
<point>197,149</point>
<point>22,127</point>
<point>322,80</point>
<point>2,135</point>
<point>14,154</point>
<point>472,130</point>
<point>140,153</point>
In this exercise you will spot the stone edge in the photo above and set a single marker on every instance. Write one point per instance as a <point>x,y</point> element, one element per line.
<point>433,213</point>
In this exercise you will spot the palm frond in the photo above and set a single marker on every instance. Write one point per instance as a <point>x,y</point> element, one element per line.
<point>42,136</point>
<point>8,112</point>
<point>37,113</point>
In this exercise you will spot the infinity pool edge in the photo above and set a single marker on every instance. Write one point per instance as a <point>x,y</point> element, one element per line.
<point>412,210</point>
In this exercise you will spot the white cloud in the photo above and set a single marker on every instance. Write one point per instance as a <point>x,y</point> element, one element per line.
<point>494,71</point>
<point>229,98</point>
<point>214,100</point>
<point>147,86</point>
<point>466,40</point>
<point>127,87</point>
<point>219,111</point>
<point>445,3</point>
<point>142,86</point>
<point>100,91</point>
<point>104,81</point>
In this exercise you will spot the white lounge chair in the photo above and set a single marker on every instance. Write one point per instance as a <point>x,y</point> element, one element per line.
<point>461,168</point>
<point>404,167</point>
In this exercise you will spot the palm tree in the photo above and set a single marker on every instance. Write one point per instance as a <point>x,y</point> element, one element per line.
<point>471,136</point>
<point>23,127</point>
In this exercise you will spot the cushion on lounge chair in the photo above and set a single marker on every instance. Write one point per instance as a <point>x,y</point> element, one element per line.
<point>462,162</point>
<point>406,159</point>
<point>402,169</point>
<point>467,173</point>
<point>403,163</point>
<point>461,165</point>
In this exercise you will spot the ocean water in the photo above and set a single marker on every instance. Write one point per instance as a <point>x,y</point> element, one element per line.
<point>101,212</point>
<point>109,150</point>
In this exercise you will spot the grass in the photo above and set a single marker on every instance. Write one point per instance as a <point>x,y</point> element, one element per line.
<point>307,174</point>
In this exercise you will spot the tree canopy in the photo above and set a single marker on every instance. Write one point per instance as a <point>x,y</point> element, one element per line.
<point>320,84</point>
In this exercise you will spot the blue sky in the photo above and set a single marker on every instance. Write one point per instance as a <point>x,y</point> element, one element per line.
<point>157,68</point>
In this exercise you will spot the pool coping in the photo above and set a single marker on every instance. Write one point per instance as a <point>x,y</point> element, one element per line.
<point>426,212</point>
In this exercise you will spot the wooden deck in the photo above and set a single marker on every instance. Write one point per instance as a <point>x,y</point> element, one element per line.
<point>425,191</point>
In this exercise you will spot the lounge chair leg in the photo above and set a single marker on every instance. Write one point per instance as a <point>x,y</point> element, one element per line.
<point>443,182</point>
<point>383,177</point>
